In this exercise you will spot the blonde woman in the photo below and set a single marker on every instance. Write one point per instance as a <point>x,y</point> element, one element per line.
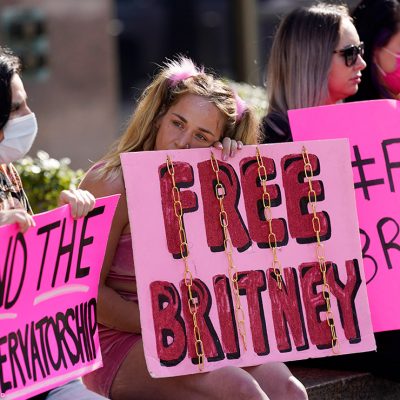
<point>182,108</point>
<point>316,59</point>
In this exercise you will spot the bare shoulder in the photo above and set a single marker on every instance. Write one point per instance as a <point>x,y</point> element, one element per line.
<point>101,186</point>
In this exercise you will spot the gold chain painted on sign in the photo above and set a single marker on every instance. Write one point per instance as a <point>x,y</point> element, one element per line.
<point>266,201</point>
<point>320,252</point>
<point>188,277</point>
<point>228,247</point>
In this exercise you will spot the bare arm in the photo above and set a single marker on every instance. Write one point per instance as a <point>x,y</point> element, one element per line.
<point>112,310</point>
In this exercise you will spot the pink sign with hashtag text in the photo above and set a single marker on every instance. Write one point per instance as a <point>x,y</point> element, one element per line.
<point>373,129</point>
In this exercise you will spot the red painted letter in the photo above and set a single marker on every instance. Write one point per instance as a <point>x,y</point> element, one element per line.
<point>211,344</point>
<point>226,315</point>
<point>345,295</point>
<point>183,178</point>
<point>296,191</point>
<point>252,283</point>
<point>168,324</point>
<point>252,194</point>
<point>287,311</point>
<point>314,304</point>
<point>237,229</point>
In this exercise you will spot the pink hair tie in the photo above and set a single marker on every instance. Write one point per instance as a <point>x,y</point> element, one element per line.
<point>182,69</point>
<point>241,107</point>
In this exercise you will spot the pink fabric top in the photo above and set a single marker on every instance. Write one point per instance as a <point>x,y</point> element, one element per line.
<point>115,344</point>
<point>123,267</point>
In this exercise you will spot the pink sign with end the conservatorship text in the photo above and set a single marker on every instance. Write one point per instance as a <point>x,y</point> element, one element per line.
<point>373,129</point>
<point>48,289</point>
<point>274,323</point>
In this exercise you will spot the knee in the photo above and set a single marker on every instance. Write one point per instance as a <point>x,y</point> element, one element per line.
<point>295,390</point>
<point>247,390</point>
<point>246,387</point>
<point>242,385</point>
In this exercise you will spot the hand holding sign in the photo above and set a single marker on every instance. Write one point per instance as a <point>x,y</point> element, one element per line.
<point>18,216</point>
<point>81,201</point>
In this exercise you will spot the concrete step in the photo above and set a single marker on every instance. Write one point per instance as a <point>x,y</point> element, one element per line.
<point>330,384</point>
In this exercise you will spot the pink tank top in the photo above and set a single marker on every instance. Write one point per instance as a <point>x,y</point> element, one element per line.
<point>123,267</point>
<point>115,344</point>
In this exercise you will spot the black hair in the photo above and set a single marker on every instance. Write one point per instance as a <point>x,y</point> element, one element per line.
<point>376,22</point>
<point>9,65</point>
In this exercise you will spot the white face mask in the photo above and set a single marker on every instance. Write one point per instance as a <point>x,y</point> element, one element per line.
<point>19,135</point>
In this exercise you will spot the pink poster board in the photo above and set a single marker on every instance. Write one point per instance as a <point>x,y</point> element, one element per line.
<point>48,288</point>
<point>374,132</point>
<point>287,324</point>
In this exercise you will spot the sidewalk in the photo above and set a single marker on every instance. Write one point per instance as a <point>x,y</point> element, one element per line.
<point>327,384</point>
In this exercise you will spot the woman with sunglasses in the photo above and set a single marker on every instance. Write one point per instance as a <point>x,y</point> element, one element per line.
<point>378,24</point>
<point>315,60</point>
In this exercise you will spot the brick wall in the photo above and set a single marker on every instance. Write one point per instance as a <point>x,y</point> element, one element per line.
<point>76,102</point>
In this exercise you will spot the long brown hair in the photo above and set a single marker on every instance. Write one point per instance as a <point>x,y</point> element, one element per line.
<point>301,56</point>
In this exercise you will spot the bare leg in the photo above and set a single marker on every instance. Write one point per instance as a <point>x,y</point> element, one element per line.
<point>134,382</point>
<point>276,380</point>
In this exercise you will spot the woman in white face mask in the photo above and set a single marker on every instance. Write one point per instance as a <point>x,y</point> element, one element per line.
<point>20,131</point>
<point>378,24</point>
<point>16,139</point>
<point>18,128</point>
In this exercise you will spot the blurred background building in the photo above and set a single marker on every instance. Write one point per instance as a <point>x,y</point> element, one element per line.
<point>86,61</point>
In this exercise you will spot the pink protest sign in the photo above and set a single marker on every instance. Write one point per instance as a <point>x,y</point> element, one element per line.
<point>275,323</point>
<point>48,288</point>
<point>374,133</point>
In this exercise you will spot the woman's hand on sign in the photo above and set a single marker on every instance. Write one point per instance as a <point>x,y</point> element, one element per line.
<point>18,216</point>
<point>81,201</point>
<point>229,147</point>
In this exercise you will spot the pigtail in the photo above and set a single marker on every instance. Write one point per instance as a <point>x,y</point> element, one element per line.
<point>247,128</point>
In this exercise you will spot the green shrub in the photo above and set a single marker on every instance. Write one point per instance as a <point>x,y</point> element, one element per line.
<point>44,178</point>
<point>255,96</point>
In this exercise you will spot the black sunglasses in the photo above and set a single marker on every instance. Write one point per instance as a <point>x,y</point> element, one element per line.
<point>350,53</point>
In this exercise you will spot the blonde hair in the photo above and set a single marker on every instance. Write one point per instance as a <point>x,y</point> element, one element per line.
<point>301,56</point>
<point>161,94</point>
